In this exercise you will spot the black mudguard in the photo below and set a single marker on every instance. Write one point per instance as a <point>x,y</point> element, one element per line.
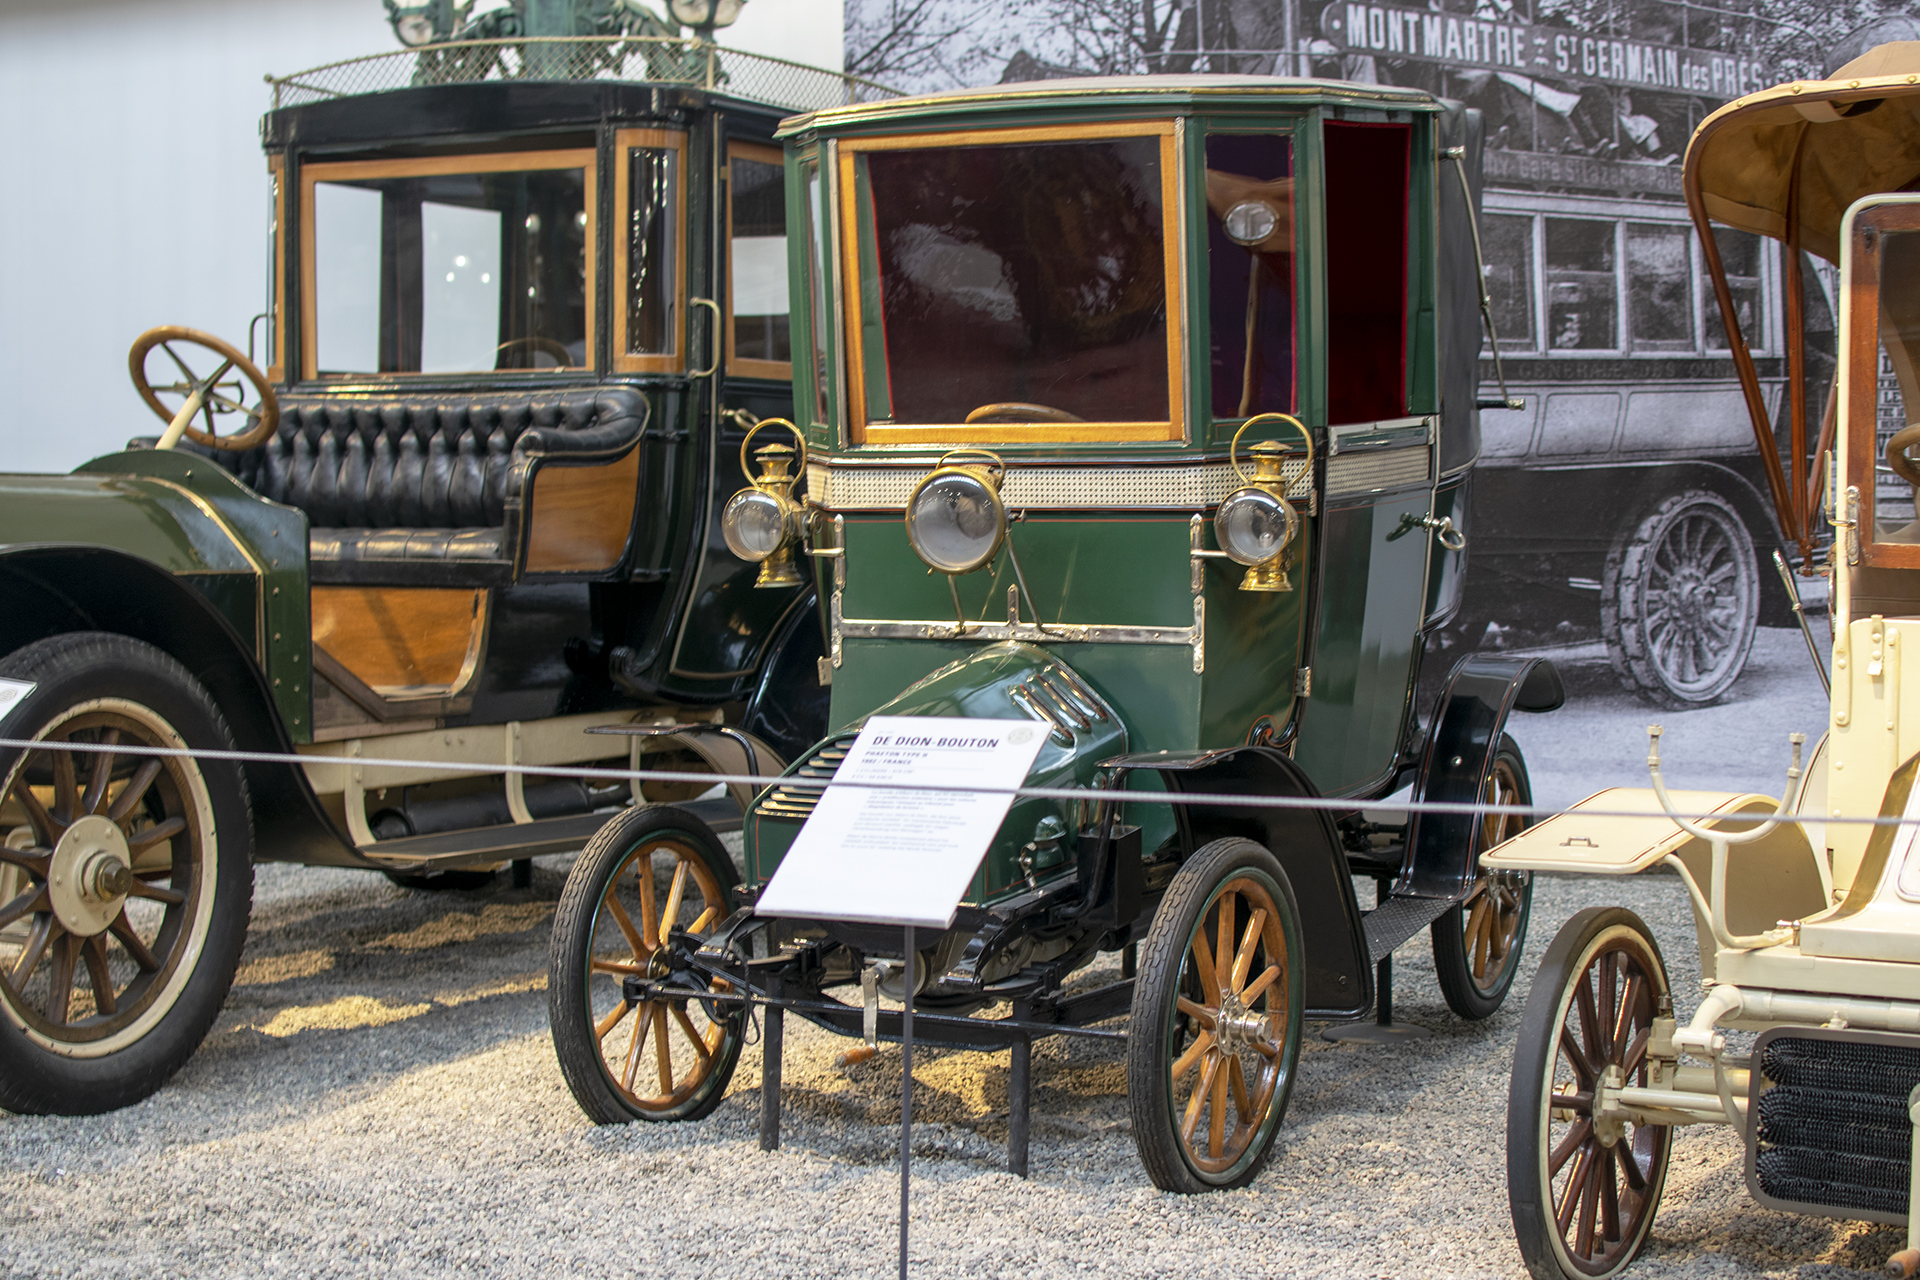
<point>1483,689</point>
<point>1339,973</point>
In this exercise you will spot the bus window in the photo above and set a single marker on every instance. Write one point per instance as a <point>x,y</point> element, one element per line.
<point>1582,285</point>
<point>1660,286</point>
<point>1509,252</point>
<point>1740,252</point>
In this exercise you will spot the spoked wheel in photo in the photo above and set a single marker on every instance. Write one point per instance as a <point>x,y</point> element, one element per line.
<point>651,873</point>
<point>1215,1031</point>
<point>1583,1185</point>
<point>1477,945</point>
<point>125,879</point>
<point>1679,601</point>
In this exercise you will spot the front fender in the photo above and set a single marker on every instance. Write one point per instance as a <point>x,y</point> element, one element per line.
<point>1009,681</point>
<point>1482,691</point>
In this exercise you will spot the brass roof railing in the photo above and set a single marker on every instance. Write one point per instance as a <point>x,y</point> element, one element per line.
<point>698,64</point>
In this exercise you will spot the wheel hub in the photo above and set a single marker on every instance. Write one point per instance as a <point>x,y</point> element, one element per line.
<point>90,875</point>
<point>1692,598</point>
<point>1609,1121</point>
<point>1236,1027</point>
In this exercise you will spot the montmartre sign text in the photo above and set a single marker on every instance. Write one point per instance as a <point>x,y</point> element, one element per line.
<point>1483,43</point>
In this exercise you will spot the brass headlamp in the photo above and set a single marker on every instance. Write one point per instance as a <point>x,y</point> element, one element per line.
<point>956,520</point>
<point>760,523</point>
<point>1257,524</point>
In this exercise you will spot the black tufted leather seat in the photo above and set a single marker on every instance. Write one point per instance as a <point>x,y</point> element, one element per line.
<point>427,490</point>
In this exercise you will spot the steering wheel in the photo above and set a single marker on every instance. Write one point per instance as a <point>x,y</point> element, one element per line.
<point>535,343</point>
<point>203,397</point>
<point>1021,411</point>
<point>1903,466</point>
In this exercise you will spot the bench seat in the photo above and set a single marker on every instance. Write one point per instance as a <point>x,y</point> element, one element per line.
<point>435,490</point>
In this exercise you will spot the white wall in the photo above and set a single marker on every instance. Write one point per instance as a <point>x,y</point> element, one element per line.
<point>135,190</point>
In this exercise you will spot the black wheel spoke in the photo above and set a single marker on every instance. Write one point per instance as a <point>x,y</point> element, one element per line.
<point>60,980</point>
<point>122,929</point>
<point>37,942</point>
<point>95,951</point>
<point>101,774</point>
<point>135,790</point>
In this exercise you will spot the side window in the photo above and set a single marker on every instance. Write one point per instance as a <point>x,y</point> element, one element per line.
<point>1583,285</point>
<point>649,322</point>
<point>819,285</point>
<point>276,266</point>
<point>1368,175</point>
<point>758,341</point>
<point>479,263</point>
<point>1250,273</point>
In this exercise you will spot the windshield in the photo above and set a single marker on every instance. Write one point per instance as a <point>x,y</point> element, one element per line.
<point>1016,288</point>
<point>419,270</point>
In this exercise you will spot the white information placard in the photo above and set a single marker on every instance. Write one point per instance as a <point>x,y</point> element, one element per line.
<point>11,691</point>
<point>894,855</point>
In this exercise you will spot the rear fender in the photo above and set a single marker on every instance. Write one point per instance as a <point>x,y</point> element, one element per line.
<point>1339,973</point>
<point>1482,691</point>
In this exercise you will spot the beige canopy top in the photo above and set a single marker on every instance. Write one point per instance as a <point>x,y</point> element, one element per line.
<point>1787,162</point>
<point>1853,135</point>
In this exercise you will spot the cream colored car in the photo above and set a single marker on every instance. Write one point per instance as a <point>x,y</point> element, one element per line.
<point>1808,919</point>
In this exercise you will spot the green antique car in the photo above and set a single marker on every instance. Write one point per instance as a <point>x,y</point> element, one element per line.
<point>1144,409</point>
<point>527,299</point>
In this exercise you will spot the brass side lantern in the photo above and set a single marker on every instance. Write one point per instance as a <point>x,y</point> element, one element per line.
<point>760,523</point>
<point>1256,525</point>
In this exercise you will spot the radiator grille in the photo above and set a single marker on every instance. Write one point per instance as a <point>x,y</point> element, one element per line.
<point>794,804</point>
<point>1832,1133</point>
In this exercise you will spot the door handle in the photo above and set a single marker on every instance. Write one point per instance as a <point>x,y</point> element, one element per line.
<point>712,368</point>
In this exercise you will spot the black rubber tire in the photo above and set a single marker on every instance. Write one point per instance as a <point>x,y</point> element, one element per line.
<point>1577,955</point>
<point>1680,600</point>
<point>1508,894</point>
<point>579,997</point>
<point>82,679</point>
<point>1159,1032</point>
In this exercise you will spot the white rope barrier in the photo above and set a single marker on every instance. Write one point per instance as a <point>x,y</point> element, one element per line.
<point>1334,804</point>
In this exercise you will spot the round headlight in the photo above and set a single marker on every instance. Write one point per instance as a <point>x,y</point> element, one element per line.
<point>1251,221</point>
<point>1253,526</point>
<point>754,524</point>
<point>955,520</point>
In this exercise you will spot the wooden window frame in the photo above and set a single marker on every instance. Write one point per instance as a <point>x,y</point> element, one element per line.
<point>1864,234</point>
<point>777,370</point>
<point>584,159</point>
<point>277,297</point>
<point>625,142</point>
<point>1173,223</point>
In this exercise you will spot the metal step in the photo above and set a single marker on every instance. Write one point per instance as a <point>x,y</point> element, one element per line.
<point>510,841</point>
<point>1397,919</point>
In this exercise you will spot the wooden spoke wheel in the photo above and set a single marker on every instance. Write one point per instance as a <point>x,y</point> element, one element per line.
<point>125,879</point>
<point>1477,945</point>
<point>1583,1187</point>
<point>650,872</point>
<point>1216,1020</point>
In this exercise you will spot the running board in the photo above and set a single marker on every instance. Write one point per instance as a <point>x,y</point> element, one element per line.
<point>1397,919</point>
<point>510,842</point>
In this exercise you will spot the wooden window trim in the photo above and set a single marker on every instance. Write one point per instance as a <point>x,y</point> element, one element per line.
<point>1860,365</point>
<point>778,370</point>
<point>583,159</point>
<point>277,356</point>
<point>1173,221</point>
<point>624,143</point>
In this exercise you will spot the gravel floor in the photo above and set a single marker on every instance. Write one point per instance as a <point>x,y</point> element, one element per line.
<point>380,1097</point>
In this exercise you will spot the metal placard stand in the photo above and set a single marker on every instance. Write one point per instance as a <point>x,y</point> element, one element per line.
<point>893,842</point>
